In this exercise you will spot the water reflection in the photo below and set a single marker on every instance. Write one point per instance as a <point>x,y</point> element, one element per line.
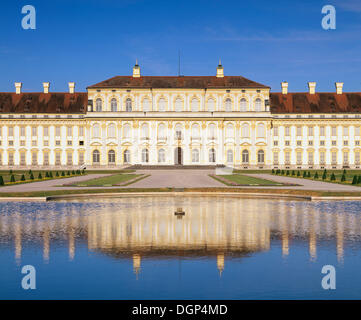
<point>138,228</point>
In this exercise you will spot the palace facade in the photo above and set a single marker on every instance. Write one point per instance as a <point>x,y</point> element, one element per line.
<point>180,120</point>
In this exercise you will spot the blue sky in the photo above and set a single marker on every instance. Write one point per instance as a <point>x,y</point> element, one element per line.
<point>88,41</point>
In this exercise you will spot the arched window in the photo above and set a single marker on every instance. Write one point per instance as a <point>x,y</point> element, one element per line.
<point>146,105</point>
<point>161,155</point>
<point>111,131</point>
<point>195,155</point>
<point>128,105</point>
<point>111,156</point>
<point>211,105</point>
<point>230,156</point>
<point>212,131</point>
<point>195,131</point>
<point>228,105</point>
<point>230,131</point>
<point>96,131</point>
<point>98,105</point>
<point>96,156</point>
<point>243,105</point>
<point>145,131</point>
<point>113,105</point>
<point>245,130</point>
<point>195,105</point>
<point>260,156</point>
<point>258,104</point>
<point>126,131</point>
<point>212,155</point>
<point>178,131</point>
<point>145,155</point>
<point>260,130</point>
<point>161,131</point>
<point>161,105</point>
<point>178,105</point>
<point>126,156</point>
<point>245,156</point>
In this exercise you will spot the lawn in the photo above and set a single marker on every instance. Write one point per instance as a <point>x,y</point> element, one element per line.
<point>238,179</point>
<point>113,180</point>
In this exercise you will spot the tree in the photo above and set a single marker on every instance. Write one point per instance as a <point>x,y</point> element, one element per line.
<point>50,174</point>
<point>68,173</point>
<point>11,171</point>
<point>283,172</point>
<point>73,172</point>
<point>359,179</point>
<point>273,171</point>
<point>354,180</point>
<point>57,174</point>
<point>304,174</point>
<point>40,176</point>
<point>30,171</point>
<point>298,173</point>
<point>22,177</point>
<point>63,174</point>
<point>343,178</point>
<point>344,171</point>
<point>333,177</point>
<point>12,178</point>
<point>46,174</point>
<point>287,172</point>
<point>324,175</point>
<point>78,171</point>
<point>31,176</point>
<point>293,172</point>
<point>316,175</point>
<point>309,174</point>
<point>1,181</point>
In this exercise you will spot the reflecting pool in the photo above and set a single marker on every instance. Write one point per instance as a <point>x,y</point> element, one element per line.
<point>221,248</point>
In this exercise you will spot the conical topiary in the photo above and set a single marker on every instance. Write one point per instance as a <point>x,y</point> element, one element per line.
<point>63,174</point>
<point>343,178</point>
<point>324,175</point>
<point>287,172</point>
<point>316,175</point>
<point>359,179</point>
<point>46,174</point>
<point>31,176</point>
<point>298,173</point>
<point>304,174</point>
<point>12,178</point>
<point>293,172</point>
<point>50,174</point>
<point>309,174</point>
<point>40,176</point>
<point>354,180</point>
<point>57,174</point>
<point>22,177</point>
<point>73,172</point>
<point>333,177</point>
<point>1,181</point>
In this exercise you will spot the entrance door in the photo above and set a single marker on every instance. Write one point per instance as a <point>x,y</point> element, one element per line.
<point>178,155</point>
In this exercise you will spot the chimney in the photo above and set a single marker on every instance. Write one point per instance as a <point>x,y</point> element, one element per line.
<point>312,87</point>
<point>136,70</point>
<point>339,86</point>
<point>220,70</point>
<point>284,86</point>
<point>46,86</point>
<point>18,86</point>
<point>71,87</point>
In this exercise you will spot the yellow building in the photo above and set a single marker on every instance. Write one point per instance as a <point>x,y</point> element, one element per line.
<point>180,120</point>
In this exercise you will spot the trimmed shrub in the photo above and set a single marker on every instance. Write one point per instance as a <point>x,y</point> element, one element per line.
<point>57,174</point>
<point>11,171</point>
<point>344,171</point>
<point>298,173</point>
<point>83,172</point>
<point>1,181</point>
<point>324,175</point>
<point>283,172</point>
<point>343,178</point>
<point>73,172</point>
<point>333,177</point>
<point>287,172</point>
<point>316,175</point>
<point>63,174</point>
<point>68,173</point>
<point>46,174</point>
<point>304,174</point>
<point>309,174</point>
<point>50,174</point>
<point>78,171</point>
<point>354,180</point>
<point>278,171</point>
<point>12,178</point>
<point>31,176</point>
<point>22,177</point>
<point>293,172</point>
<point>325,171</point>
<point>359,179</point>
<point>273,171</point>
<point>40,176</point>
<point>30,171</point>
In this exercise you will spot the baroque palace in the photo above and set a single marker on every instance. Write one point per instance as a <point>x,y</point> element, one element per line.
<point>180,120</point>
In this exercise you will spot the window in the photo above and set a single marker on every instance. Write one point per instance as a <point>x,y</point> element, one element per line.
<point>334,131</point>
<point>334,157</point>
<point>299,142</point>
<point>11,131</point>
<point>212,155</point>
<point>310,158</point>
<point>113,105</point>
<point>287,131</point>
<point>70,143</point>
<point>96,156</point>
<point>126,156</point>
<point>334,142</point>
<point>145,155</point>
<point>211,105</point>
<point>299,131</point>
<point>81,131</point>
<point>145,131</point>
<point>287,142</point>
<point>195,155</point>
<point>46,158</point>
<point>310,143</point>
<point>111,131</point>
<point>228,105</point>
<point>57,131</point>
<point>69,131</point>
<point>275,157</point>
<point>299,157</point>
<point>310,131</point>
<point>178,131</point>
<point>345,131</point>
<point>322,131</point>
<point>260,156</point>
<point>275,143</point>
<point>81,157</point>
<point>212,131</point>
<point>345,143</point>
<point>260,130</point>
<point>258,104</point>
<point>245,130</point>
<point>22,131</point>
<point>357,131</point>
<point>161,105</point>
<point>69,158</point>
<point>161,155</point>
<point>287,157</point>
<point>128,105</point>
<point>322,143</point>
<point>195,105</point>
<point>275,131</point>
<point>195,131</point>
<point>245,156</point>
<point>322,157</point>
<point>357,157</point>
<point>243,105</point>
<point>57,158</point>
<point>230,131</point>
<point>46,131</point>
<point>98,105</point>
<point>146,105</point>
<point>46,143</point>
<point>230,156</point>
<point>111,157</point>
<point>161,131</point>
<point>126,131</point>
<point>345,157</point>
<point>11,159</point>
<point>178,105</point>
<point>22,159</point>
<point>96,131</point>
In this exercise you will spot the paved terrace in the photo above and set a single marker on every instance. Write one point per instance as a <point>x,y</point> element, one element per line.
<point>180,179</point>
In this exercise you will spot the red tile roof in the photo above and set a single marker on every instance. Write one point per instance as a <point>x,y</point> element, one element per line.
<point>186,82</point>
<point>322,102</point>
<point>38,102</point>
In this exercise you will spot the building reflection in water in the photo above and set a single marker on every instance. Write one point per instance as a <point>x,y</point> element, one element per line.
<point>216,227</point>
